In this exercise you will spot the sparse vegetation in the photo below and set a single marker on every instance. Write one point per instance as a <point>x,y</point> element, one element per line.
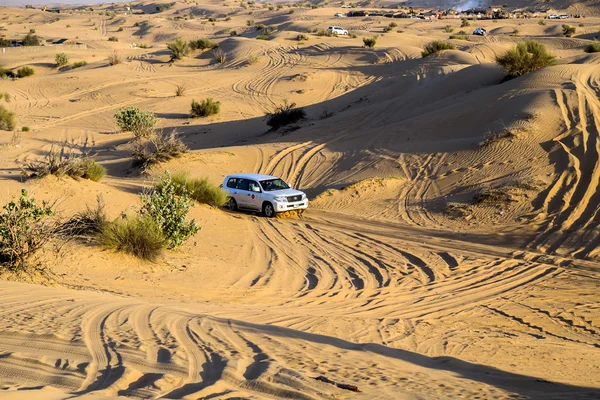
<point>568,30</point>
<point>31,40</point>
<point>199,189</point>
<point>5,96</point>
<point>179,49</point>
<point>25,71</point>
<point>219,56</point>
<point>301,37</point>
<point>180,90</point>
<point>448,29</point>
<point>262,37</point>
<point>464,23</point>
<point>113,39</point>
<point>285,114</point>
<point>436,46</point>
<point>370,42</point>
<point>23,232</point>
<point>250,22</point>
<point>114,59</point>
<point>61,59</point>
<point>168,205</point>
<point>140,123</point>
<point>493,197</point>
<point>458,37</point>
<point>202,44</point>
<point>252,59</point>
<point>541,22</point>
<point>593,48</point>
<point>137,235</point>
<point>492,138</point>
<point>160,147</point>
<point>205,108</point>
<point>8,119</point>
<point>79,64</point>
<point>25,129</point>
<point>64,161</point>
<point>524,58</point>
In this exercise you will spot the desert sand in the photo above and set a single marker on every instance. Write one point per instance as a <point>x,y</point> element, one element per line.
<point>393,281</point>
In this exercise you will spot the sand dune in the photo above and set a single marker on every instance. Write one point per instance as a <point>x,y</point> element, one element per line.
<point>395,280</point>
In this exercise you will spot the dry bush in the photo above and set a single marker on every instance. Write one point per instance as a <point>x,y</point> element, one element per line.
<point>285,114</point>
<point>114,59</point>
<point>180,90</point>
<point>436,46</point>
<point>179,49</point>
<point>253,59</point>
<point>219,56</point>
<point>199,189</point>
<point>65,161</point>
<point>491,138</point>
<point>568,30</point>
<point>494,197</point>
<point>160,147</point>
<point>85,224</point>
<point>301,37</point>
<point>205,108</point>
<point>370,42</point>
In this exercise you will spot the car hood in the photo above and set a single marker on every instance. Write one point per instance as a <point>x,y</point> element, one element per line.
<point>285,192</point>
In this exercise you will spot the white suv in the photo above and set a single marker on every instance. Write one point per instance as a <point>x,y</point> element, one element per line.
<point>265,193</point>
<point>337,30</point>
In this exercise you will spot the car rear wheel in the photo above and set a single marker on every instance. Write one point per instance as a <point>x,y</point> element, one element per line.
<point>232,204</point>
<point>268,210</point>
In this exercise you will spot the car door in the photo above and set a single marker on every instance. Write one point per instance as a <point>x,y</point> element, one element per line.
<point>231,188</point>
<point>242,193</point>
<point>254,195</point>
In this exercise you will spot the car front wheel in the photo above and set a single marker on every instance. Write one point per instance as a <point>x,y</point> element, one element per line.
<point>232,204</point>
<point>268,210</point>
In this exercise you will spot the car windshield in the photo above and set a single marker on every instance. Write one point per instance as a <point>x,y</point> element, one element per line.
<point>273,184</point>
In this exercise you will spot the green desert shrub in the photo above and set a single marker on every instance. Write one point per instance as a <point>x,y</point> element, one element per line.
<point>205,108</point>
<point>252,59</point>
<point>387,29</point>
<point>137,235</point>
<point>262,37</point>
<point>168,206</point>
<point>25,71</point>
<point>8,119</point>
<point>393,25</point>
<point>593,48</point>
<point>465,22</point>
<point>199,189</point>
<point>64,162</point>
<point>568,30</point>
<point>285,114</point>
<point>25,129</point>
<point>160,147</point>
<point>23,231</point>
<point>370,42</point>
<point>113,39</point>
<point>31,40</point>
<point>541,22</point>
<point>179,49</point>
<point>61,59</point>
<point>202,44</point>
<point>140,123</point>
<point>524,58</point>
<point>79,64</point>
<point>448,29</point>
<point>436,46</point>
<point>458,37</point>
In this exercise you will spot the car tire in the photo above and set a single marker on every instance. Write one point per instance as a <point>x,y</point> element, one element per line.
<point>232,204</point>
<point>268,210</point>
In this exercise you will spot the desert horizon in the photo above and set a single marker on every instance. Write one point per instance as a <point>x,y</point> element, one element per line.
<point>330,200</point>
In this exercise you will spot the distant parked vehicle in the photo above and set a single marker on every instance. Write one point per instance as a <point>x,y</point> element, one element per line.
<point>265,193</point>
<point>339,15</point>
<point>563,16</point>
<point>553,16</point>
<point>480,32</point>
<point>346,6</point>
<point>336,30</point>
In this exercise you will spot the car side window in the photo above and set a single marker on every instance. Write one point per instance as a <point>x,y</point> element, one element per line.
<point>232,183</point>
<point>253,186</point>
<point>242,184</point>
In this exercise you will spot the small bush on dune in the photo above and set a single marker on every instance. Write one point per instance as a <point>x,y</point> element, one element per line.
<point>31,40</point>
<point>180,90</point>
<point>23,231</point>
<point>8,119</point>
<point>465,23</point>
<point>448,29</point>
<point>61,59</point>
<point>285,114</point>
<point>179,49</point>
<point>436,46</point>
<point>85,224</point>
<point>160,148</point>
<point>132,119</point>
<point>79,64</point>
<point>250,22</point>
<point>541,22</point>
<point>114,59</point>
<point>593,48</point>
<point>137,235</point>
<point>168,205</point>
<point>393,25</point>
<point>25,129</point>
<point>524,58</point>
<point>219,56</point>
<point>253,59</point>
<point>5,96</point>
<point>568,30</point>
<point>200,190</point>
<point>25,71</point>
<point>64,162</point>
<point>202,44</point>
<point>370,42</point>
<point>387,29</point>
<point>457,37</point>
<point>301,37</point>
<point>113,39</point>
<point>205,108</point>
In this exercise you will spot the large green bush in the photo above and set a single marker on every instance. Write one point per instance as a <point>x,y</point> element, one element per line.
<point>199,189</point>
<point>436,46</point>
<point>205,108</point>
<point>25,71</point>
<point>179,49</point>
<point>61,59</point>
<point>137,235</point>
<point>202,44</point>
<point>22,231</point>
<point>370,42</point>
<point>31,40</point>
<point>524,58</point>
<point>168,205</point>
<point>132,119</point>
<point>8,119</point>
